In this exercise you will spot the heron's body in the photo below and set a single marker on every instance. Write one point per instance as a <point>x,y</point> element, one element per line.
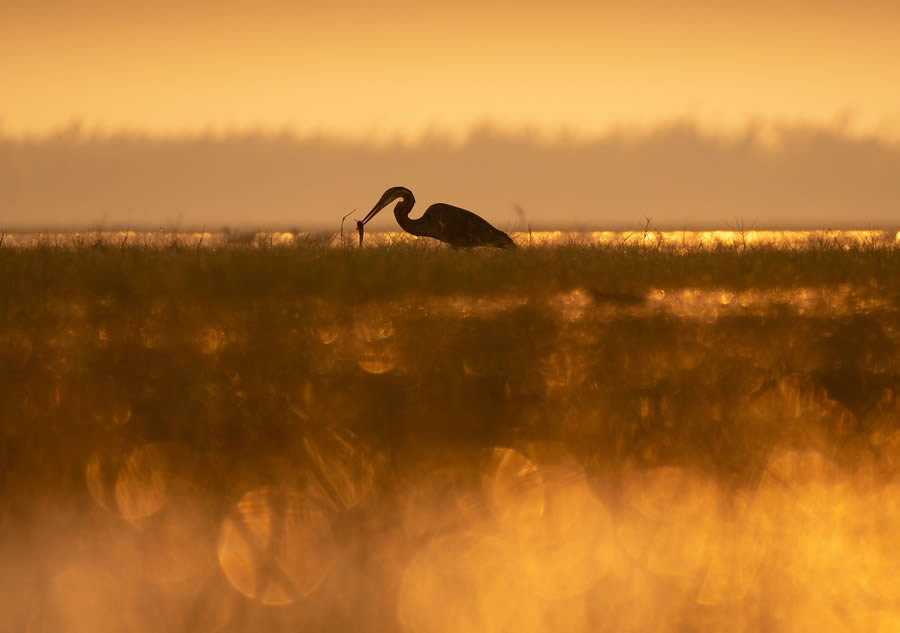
<point>455,226</point>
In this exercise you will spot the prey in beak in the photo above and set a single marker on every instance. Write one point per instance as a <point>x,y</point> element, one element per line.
<point>389,196</point>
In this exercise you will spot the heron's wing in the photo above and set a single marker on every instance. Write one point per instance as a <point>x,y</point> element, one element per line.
<point>460,227</point>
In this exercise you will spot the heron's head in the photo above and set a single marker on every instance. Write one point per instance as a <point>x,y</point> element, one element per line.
<point>386,198</point>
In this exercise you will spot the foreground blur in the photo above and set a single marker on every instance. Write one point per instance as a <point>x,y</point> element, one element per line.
<point>675,458</point>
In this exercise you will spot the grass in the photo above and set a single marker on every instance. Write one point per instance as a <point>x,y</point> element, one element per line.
<point>357,276</point>
<point>242,363</point>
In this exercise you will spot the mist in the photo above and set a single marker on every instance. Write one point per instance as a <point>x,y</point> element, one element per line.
<point>678,175</point>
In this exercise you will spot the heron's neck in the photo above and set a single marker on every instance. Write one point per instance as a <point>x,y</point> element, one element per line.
<point>402,211</point>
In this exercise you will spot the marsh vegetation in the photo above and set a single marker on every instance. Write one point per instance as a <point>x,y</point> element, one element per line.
<point>404,438</point>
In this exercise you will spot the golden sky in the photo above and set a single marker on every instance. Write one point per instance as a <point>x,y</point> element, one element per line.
<point>771,112</point>
<point>405,66</point>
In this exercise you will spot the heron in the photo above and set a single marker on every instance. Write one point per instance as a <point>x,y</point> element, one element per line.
<point>455,226</point>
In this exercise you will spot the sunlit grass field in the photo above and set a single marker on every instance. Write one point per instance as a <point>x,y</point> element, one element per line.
<point>579,435</point>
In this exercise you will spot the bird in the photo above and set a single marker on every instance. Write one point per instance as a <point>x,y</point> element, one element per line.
<point>455,226</point>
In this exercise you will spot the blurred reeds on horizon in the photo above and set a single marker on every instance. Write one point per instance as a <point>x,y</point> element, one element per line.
<point>773,175</point>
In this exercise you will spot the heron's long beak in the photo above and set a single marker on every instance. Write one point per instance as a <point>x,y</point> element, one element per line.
<point>378,207</point>
<point>360,226</point>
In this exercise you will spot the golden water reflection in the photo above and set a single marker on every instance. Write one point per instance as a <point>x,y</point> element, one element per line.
<point>681,240</point>
<point>581,305</point>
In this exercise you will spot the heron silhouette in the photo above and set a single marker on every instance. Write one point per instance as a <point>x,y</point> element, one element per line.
<point>455,226</point>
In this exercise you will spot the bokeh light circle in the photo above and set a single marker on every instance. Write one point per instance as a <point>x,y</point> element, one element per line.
<point>276,546</point>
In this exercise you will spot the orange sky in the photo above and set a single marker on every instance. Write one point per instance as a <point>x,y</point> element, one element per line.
<point>357,68</point>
